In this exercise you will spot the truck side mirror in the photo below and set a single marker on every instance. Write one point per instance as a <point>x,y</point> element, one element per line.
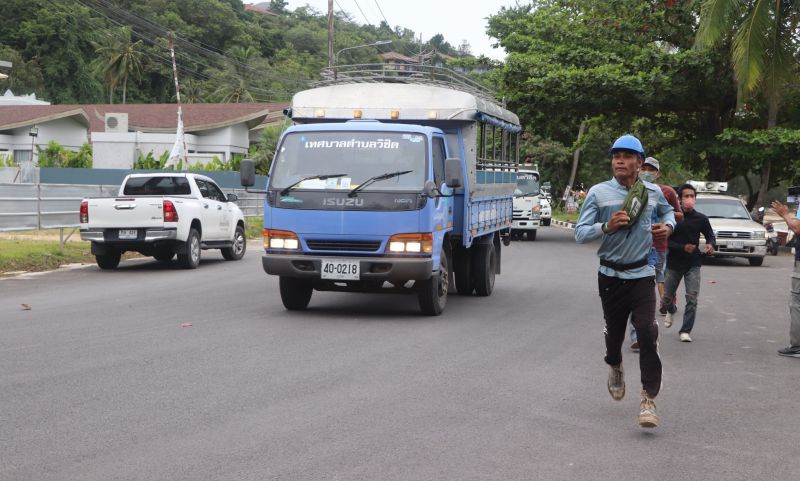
<point>233,197</point>
<point>247,173</point>
<point>452,173</point>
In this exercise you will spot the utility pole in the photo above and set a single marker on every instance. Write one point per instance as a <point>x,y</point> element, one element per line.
<point>330,33</point>
<point>576,156</point>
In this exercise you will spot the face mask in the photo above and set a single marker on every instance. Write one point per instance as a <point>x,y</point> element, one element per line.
<point>647,176</point>
<point>688,203</point>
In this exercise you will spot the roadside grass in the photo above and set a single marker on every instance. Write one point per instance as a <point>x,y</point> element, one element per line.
<point>562,215</point>
<point>40,255</point>
<point>253,227</point>
<point>39,250</point>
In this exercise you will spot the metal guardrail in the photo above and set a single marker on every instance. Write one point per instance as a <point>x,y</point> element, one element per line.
<point>410,73</point>
<point>56,206</point>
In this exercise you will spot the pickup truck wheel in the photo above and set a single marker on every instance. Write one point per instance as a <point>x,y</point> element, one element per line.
<point>164,255</point>
<point>109,260</point>
<point>462,270</point>
<point>190,258</point>
<point>236,251</point>
<point>484,268</point>
<point>295,293</point>
<point>432,292</point>
<point>755,261</point>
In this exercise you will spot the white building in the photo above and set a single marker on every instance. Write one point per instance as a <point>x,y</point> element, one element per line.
<point>119,134</point>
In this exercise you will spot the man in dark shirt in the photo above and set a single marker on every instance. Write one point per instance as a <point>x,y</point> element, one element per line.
<point>684,260</point>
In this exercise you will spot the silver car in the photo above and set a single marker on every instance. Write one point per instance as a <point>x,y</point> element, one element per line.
<point>738,235</point>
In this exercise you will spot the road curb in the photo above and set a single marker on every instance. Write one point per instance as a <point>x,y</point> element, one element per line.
<point>561,223</point>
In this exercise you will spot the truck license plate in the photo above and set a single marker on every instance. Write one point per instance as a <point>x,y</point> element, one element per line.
<point>341,269</point>
<point>128,233</point>
<point>735,244</point>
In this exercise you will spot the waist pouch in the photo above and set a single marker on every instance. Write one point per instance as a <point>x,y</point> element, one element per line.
<point>623,267</point>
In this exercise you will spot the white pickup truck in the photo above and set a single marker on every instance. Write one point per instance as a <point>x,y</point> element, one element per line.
<point>161,215</point>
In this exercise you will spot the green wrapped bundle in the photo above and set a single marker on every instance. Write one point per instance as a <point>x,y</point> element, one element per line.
<point>635,203</point>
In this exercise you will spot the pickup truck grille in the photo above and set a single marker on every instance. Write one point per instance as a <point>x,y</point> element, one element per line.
<point>729,234</point>
<point>337,245</point>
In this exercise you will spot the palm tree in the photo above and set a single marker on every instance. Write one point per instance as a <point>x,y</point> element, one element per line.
<point>119,59</point>
<point>763,48</point>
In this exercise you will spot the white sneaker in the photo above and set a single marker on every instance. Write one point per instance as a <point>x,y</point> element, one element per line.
<point>616,382</point>
<point>668,319</point>
<point>685,337</point>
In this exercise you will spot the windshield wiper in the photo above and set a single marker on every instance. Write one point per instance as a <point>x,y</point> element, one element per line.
<point>286,190</point>
<point>372,180</point>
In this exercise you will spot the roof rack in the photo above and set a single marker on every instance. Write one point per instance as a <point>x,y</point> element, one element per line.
<point>405,73</point>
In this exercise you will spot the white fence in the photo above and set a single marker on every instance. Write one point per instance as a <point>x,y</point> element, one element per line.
<point>55,206</point>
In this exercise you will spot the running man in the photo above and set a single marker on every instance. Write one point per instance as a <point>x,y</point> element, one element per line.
<point>625,280</point>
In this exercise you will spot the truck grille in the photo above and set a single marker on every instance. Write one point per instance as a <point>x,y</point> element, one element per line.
<point>337,245</point>
<point>730,234</point>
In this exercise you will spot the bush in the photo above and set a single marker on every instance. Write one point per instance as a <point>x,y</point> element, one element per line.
<point>56,155</point>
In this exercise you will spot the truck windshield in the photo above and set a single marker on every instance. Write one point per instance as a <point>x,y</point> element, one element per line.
<point>362,154</point>
<point>527,184</point>
<point>721,208</point>
<point>157,185</point>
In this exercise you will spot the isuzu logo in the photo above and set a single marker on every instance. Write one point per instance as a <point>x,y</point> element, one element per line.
<point>343,202</point>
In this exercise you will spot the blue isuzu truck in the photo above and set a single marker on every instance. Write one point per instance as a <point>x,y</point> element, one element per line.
<point>390,182</point>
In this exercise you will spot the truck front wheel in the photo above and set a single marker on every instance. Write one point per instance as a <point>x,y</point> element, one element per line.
<point>109,260</point>
<point>531,234</point>
<point>295,293</point>
<point>236,251</point>
<point>432,292</point>
<point>484,267</point>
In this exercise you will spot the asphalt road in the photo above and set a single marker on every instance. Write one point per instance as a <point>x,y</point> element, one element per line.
<point>100,381</point>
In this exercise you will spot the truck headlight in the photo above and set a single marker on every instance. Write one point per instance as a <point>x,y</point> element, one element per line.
<point>280,239</point>
<point>417,243</point>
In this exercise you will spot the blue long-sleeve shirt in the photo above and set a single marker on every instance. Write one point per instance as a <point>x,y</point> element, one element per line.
<point>624,246</point>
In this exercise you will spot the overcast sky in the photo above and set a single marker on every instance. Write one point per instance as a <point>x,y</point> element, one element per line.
<point>457,20</point>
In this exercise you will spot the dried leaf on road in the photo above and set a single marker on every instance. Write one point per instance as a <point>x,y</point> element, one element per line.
<point>26,307</point>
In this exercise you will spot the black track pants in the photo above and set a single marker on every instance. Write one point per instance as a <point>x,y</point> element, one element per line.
<point>621,298</point>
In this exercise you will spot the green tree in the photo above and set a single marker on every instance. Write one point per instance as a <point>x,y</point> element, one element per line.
<point>763,44</point>
<point>119,58</point>
<point>623,66</point>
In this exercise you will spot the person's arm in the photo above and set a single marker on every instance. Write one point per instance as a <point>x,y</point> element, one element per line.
<point>708,233</point>
<point>588,228</point>
<point>672,198</point>
<point>783,211</point>
<point>666,217</point>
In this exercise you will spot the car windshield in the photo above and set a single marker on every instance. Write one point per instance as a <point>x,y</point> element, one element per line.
<point>721,208</point>
<point>361,155</point>
<point>527,184</point>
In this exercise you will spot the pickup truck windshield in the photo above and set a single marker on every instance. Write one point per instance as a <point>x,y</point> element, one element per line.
<point>721,208</point>
<point>362,154</point>
<point>527,184</point>
<point>157,186</point>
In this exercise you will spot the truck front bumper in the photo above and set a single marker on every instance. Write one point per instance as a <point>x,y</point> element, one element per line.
<point>371,268</point>
<point>525,224</point>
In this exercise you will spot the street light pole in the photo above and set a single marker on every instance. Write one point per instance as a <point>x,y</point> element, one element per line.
<point>375,44</point>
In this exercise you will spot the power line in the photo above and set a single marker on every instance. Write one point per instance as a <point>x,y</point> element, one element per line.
<point>362,12</point>
<point>382,15</point>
